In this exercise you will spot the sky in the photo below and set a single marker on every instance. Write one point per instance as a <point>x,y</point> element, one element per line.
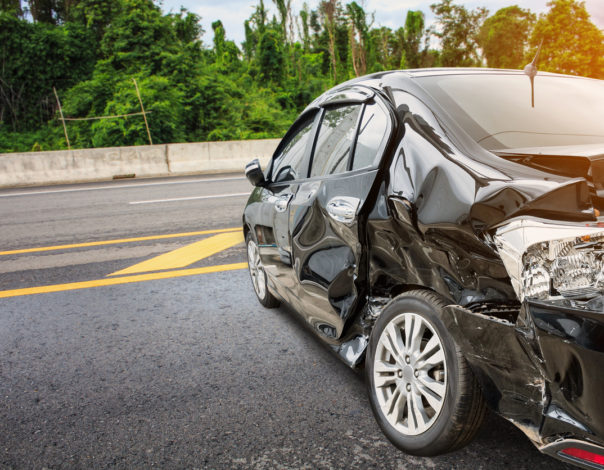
<point>389,13</point>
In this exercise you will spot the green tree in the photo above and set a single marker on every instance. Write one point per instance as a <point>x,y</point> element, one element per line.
<point>225,51</point>
<point>458,29</point>
<point>162,101</point>
<point>504,37</point>
<point>387,46</point>
<point>186,26</point>
<point>414,33</point>
<point>91,49</point>
<point>571,42</point>
<point>140,36</point>
<point>219,40</point>
<point>96,15</point>
<point>43,11</point>
<point>360,44</point>
<point>51,11</point>
<point>254,28</point>
<point>271,57</point>
<point>11,6</point>
<point>304,19</point>
<point>328,15</point>
<point>34,57</point>
<point>284,9</point>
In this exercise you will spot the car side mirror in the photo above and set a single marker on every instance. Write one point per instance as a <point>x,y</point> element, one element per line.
<point>254,173</point>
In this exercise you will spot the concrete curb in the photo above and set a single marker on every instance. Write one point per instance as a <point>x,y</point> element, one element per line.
<point>72,166</point>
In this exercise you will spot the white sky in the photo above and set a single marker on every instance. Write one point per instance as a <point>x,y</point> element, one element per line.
<point>389,13</point>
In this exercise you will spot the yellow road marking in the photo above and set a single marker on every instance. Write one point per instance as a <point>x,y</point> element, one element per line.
<point>114,242</point>
<point>185,256</point>
<point>121,280</point>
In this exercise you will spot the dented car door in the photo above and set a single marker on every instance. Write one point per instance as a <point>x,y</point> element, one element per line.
<point>326,213</point>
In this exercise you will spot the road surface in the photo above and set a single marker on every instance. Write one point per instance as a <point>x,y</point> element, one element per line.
<point>130,337</point>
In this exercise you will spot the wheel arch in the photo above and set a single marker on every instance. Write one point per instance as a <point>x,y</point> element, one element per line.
<point>397,292</point>
<point>401,289</point>
<point>468,404</point>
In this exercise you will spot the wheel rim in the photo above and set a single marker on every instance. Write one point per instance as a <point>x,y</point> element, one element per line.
<point>256,269</point>
<point>410,374</point>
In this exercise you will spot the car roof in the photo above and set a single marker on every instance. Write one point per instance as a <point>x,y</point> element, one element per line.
<point>429,72</point>
<point>440,71</point>
<point>373,79</point>
<point>377,80</point>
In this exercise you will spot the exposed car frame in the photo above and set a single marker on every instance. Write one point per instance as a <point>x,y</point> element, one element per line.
<point>441,217</point>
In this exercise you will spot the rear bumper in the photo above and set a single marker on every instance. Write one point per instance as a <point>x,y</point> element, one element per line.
<point>581,453</point>
<point>570,342</point>
<point>542,370</point>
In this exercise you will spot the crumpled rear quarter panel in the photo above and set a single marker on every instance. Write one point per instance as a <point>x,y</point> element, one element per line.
<point>431,228</point>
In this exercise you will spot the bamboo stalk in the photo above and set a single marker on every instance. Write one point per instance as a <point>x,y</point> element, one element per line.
<point>106,117</point>
<point>62,118</point>
<point>143,111</point>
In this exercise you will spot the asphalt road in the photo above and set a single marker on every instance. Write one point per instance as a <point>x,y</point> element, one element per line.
<point>172,363</point>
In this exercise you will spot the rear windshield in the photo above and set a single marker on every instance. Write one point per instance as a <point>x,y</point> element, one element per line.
<point>495,110</point>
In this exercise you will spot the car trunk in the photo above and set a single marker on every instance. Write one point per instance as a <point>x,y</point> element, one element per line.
<point>585,161</point>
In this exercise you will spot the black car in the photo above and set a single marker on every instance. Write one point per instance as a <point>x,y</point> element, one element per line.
<point>442,228</point>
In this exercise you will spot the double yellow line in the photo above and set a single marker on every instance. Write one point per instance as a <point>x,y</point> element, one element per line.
<point>166,263</point>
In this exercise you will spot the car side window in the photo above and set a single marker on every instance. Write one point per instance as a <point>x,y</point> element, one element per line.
<point>334,140</point>
<point>290,164</point>
<point>372,132</point>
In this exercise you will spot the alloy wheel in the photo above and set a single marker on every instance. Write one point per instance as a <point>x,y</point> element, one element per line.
<point>410,374</point>
<point>256,269</point>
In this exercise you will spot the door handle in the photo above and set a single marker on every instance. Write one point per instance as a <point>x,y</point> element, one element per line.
<point>343,209</point>
<point>282,203</point>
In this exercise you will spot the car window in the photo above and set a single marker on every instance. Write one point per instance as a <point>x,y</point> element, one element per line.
<point>568,110</point>
<point>372,132</point>
<point>290,164</point>
<point>335,137</point>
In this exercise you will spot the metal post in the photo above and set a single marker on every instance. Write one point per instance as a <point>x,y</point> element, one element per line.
<point>62,118</point>
<point>143,110</point>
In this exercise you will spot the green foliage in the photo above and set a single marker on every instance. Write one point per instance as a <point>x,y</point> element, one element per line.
<point>270,57</point>
<point>388,48</point>
<point>45,11</point>
<point>34,57</point>
<point>186,26</point>
<point>95,15</point>
<point>458,29</point>
<point>11,6</point>
<point>360,40</point>
<point>414,33</point>
<point>90,50</point>
<point>139,37</point>
<point>165,119</point>
<point>571,42</point>
<point>47,137</point>
<point>504,37</point>
<point>226,53</point>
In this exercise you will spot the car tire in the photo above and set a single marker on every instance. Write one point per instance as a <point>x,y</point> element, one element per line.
<point>258,274</point>
<point>422,391</point>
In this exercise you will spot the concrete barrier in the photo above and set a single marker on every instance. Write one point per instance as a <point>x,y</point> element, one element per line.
<point>218,156</point>
<point>71,166</point>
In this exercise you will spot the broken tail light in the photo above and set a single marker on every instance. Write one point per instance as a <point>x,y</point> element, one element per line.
<point>572,268</point>
<point>583,455</point>
<point>546,259</point>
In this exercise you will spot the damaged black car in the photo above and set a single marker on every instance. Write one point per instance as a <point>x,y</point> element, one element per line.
<point>442,228</point>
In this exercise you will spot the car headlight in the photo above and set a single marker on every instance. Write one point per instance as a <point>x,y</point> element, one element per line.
<point>546,259</point>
